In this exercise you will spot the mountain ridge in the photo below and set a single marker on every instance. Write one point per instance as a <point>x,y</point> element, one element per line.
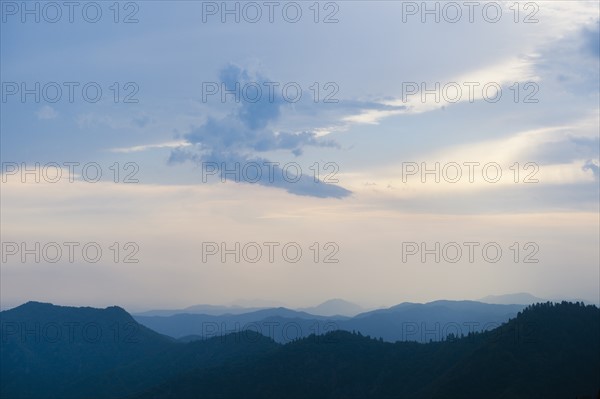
<point>497,363</point>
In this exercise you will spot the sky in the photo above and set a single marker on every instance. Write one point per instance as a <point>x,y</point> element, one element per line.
<point>163,154</point>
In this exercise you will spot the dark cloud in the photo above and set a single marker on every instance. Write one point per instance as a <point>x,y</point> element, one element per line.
<point>567,150</point>
<point>592,40</point>
<point>237,138</point>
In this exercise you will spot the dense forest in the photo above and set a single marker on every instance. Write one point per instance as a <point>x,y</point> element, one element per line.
<point>549,350</point>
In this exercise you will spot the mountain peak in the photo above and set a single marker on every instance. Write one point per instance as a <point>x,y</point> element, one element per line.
<point>35,305</point>
<point>334,307</point>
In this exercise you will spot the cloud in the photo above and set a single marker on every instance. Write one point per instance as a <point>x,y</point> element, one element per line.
<point>46,112</point>
<point>142,121</point>
<point>565,149</point>
<point>594,167</point>
<point>145,147</point>
<point>592,40</point>
<point>561,161</point>
<point>236,139</point>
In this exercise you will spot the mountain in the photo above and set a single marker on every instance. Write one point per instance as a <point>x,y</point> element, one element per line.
<point>57,352</point>
<point>334,307</point>
<point>521,298</point>
<point>43,343</point>
<point>547,351</point>
<point>404,322</point>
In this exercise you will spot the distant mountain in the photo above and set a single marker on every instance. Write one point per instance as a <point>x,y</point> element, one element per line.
<point>332,307</point>
<point>548,351</point>
<point>335,307</point>
<point>281,324</point>
<point>213,310</point>
<point>405,322</point>
<point>431,321</point>
<point>521,298</point>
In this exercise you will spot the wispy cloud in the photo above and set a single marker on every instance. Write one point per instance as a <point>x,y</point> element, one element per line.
<point>145,147</point>
<point>46,112</point>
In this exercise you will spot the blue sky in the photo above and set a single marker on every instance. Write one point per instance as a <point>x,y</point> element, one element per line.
<point>367,135</point>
